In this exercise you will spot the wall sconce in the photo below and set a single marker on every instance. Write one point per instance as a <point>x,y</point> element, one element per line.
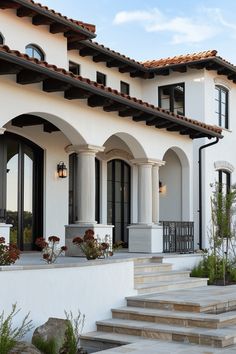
<point>61,170</point>
<point>160,187</point>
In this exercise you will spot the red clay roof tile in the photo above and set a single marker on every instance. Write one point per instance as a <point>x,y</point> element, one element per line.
<point>53,68</point>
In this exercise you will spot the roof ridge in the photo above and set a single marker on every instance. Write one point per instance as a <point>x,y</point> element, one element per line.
<point>52,67</point>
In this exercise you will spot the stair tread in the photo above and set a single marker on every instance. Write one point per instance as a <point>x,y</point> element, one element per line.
<point>152,264</point>
<point>166,282</point>
<point>110,336</point>
<point>161,272</point>
<point>221,333</point>
<point>178,314</point>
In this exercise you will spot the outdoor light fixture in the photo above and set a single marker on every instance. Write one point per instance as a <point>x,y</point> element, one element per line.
<point>61,170</point>
<point>160,187</point>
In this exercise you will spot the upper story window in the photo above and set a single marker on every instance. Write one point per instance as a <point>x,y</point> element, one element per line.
<point>101,78</point>
<point>34,52</point>
<point>124,87</point>
<point>171,98</point>
<point>74,68</point>
<point>224,180</point>
<point>221,106</point>
<point>1,39</point>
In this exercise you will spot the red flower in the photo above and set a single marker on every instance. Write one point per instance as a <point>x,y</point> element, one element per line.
<point>78,240</point>
<point>53,239</point>
<point>2,239</point>
<point>41,243</point>
<point>63,248</point>
<point>104,246</point>
<point>45,256</point>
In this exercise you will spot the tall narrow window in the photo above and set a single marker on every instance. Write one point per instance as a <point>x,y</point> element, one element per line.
<point>221,106</point>
<point>74,68</point>
<point>124,87</point>
<point>1,39</point>
<point>171,98</point>
<point>101,78</point>
<point>223,215</point>
<point>34,51</point>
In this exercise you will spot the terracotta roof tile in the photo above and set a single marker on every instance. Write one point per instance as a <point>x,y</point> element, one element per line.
<point>89,27</point>
<point>53,68</point>
<point>180,59</point>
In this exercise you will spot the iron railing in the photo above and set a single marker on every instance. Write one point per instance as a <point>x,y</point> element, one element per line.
<point>178,236</point>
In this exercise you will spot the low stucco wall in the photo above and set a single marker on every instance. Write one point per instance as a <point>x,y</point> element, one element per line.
<point>46,291</point>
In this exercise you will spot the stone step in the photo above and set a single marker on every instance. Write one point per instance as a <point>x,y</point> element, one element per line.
<point>207,299</point>
<point>184,319</point>
<point>97,341</point>
<point>150,277</point>
<point>177,284</point>
<point>152,267</point>
<point>219,338</point>
<point>141,260</point>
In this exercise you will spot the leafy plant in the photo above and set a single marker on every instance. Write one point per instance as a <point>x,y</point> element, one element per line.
<point>8,253</point>
<point>45,346</point>
<point>90,246</point>
<point>50,249</point>
<point>9,335</point>
<point>74,329</point>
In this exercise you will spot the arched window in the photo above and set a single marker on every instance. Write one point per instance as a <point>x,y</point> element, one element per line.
<point>34,52</point>
<point>1,39</point>
<point>221,106</point>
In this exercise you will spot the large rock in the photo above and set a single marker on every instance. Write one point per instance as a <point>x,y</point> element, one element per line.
<point>53,329</point>
<point>24,348</point>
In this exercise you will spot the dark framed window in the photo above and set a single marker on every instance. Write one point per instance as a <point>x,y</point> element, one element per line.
<point>101,78</point>
<point>224,180</point>
<point>221,106</point>
<point>74,68</point>
<point>171,98</point>
<point>34,51</point>
<point>124,87</point>
<point>1,39</point>
<point>223,205</point>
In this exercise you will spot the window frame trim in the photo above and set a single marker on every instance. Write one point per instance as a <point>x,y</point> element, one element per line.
<point>38,49</point>
<point>226,90</point>
<point>172,96</point>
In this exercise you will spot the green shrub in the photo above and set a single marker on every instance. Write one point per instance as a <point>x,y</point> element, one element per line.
<point>9,335</point>
<point>45,346</point>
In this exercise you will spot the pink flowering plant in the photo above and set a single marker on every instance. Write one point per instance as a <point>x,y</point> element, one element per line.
<point>90,246</point>
<point>8,253</point>
<point>50,249</point>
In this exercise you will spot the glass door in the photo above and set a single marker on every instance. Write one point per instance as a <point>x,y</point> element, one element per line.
<point>118,198</point>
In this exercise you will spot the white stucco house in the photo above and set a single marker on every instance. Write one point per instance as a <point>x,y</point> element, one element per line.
<point>128,133</point>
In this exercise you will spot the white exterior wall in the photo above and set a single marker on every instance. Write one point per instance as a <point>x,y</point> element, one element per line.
<point>19,32</point>
<point>48,291</point>
<point>88,69</point>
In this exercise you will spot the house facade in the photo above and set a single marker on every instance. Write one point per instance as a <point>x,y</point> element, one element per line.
<point>93,139</point>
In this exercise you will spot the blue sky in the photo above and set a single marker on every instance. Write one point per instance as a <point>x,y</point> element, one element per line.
<point>149,29</point>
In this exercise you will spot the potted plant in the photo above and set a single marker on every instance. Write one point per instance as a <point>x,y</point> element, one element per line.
<point>90,246</point>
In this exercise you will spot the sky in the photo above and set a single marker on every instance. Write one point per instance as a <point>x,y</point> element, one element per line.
<point>151,29</point>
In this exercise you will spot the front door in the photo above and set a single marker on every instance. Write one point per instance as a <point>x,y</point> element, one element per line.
<point>118,198</point>
<point>24,190</point>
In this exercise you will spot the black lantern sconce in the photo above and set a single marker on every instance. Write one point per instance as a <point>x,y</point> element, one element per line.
<point>61,170</point>
<point>160,186</point>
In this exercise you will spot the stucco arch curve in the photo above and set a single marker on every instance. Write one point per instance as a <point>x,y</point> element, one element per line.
<point>72,134</point>
<point>133,144</point>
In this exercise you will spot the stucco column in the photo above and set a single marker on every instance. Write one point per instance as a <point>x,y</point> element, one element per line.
<point>145,192</point>
<point>86,183</point>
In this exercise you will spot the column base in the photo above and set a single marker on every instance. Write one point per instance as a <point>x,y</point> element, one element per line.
<point>5,231</point>
<point>145,238</point>
<point>74,230</point>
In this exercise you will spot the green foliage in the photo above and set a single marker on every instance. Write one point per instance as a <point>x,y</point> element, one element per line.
<point>45,346</point>
<point>9,335</point>
<point>74,329</point>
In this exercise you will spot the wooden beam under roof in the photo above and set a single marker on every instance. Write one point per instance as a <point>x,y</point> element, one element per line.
<point>8,68</point>
<point>128,112</point>
<point>25,12</point>
<point>58,28</point>
<point>74,93</point>
<point>98,101</point>
<point>99,57</point>
<point>39,20</point>
<point>54,85</point>
<point>26,77</point>
<point>8,4</point>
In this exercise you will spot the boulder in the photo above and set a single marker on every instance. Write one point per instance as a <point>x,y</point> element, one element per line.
<point>53,330</point>
<point>24,348</point>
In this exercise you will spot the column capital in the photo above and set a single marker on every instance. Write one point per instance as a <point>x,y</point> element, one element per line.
<point>86,148</point>
<point>148,161</point>
<point>2,131</point>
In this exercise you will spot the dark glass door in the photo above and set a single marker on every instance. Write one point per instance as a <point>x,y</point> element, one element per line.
<point>118,198</point>
<point>24,190</point>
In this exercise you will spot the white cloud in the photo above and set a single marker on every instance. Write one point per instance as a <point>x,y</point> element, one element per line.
<point>181,29</point>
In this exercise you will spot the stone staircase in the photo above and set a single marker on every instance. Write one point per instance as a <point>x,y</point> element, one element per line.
<point>172,307</point>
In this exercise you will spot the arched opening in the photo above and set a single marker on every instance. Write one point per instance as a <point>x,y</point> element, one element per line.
<point>33,51</point>
<point>175,186</point>
<point>118,198</point>
<point>23,198</point>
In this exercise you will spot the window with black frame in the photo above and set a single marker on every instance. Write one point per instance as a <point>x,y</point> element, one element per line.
<point>221,106</point>
<point>171,98</point>
<point>33,51</point>
<point>223,214</point>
